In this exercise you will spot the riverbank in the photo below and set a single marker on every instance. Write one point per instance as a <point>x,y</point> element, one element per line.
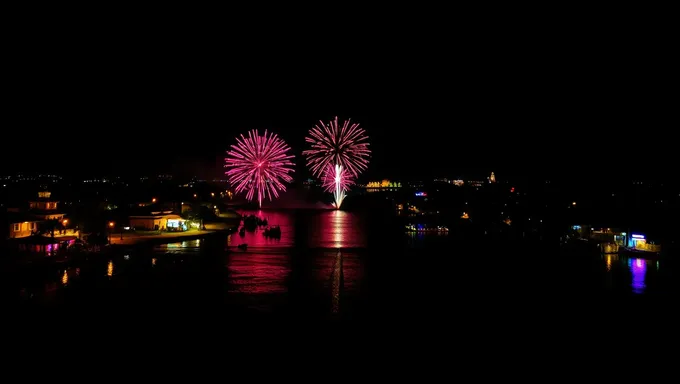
<point>160,238</point>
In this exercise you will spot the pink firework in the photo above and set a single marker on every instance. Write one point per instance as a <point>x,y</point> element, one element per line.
<point>334,144</point>
<point>337,180</point>
<point>259,165</point>
<point>336,176</point>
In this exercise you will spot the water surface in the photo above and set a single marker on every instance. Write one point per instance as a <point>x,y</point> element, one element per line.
<point>345,265</point>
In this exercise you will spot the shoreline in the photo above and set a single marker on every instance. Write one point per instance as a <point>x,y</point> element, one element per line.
<point>38,260</point>
<point>165,238</point>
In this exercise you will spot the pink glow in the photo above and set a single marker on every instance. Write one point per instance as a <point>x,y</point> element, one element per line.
<point>338,155</point>
<point>259,165</point>
<point>333,144</point>
<point>257,241</point>
<point>638,270</point>
<point>258,273</point>
<point>326,229</point>
<point>336,229</point>
<point>264,268</point>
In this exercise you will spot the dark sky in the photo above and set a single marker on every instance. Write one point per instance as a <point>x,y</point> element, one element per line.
<point>434,102</point>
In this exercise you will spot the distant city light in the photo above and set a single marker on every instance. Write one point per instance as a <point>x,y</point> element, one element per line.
<point>421,194</point>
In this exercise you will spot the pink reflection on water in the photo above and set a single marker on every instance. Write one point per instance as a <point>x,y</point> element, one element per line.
<point>336,229</point>
<point>284,219</point>
<point>340,272</point>
<point>258,272</point>
<point>638,268</point>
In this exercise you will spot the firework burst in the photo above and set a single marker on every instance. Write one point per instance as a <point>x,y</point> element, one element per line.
<point>333,144</point>
<point>337,180</point>
<point>259,165</point>
<point>338,154</point>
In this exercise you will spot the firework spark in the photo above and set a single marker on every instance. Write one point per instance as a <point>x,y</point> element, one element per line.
<point>338,154</point>
<point>337,180</point>
<point>337,175</point>
<point>259,165</point>
<point>333,144</point>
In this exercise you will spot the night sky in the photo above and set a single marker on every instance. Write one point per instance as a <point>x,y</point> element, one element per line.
<point>541,106</point>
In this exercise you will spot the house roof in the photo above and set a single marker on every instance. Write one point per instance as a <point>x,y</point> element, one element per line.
<point>156,217</point>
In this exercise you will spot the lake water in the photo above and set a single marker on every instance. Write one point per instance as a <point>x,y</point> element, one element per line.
<point>345,265</point>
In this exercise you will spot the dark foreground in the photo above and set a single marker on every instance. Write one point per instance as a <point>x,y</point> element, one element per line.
<point>376,284</point>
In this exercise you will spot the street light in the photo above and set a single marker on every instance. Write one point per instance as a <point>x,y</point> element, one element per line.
<point>153,200</point>
<point>111,224</point>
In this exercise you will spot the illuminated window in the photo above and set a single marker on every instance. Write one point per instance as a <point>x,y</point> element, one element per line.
<point>16,227</point>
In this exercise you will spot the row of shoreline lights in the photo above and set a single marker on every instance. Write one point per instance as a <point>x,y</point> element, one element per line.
<point>212,194</point>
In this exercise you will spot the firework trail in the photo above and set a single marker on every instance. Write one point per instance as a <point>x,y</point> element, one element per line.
<point>337,180</point>
<point>334,145</point>
<point>259,165</point>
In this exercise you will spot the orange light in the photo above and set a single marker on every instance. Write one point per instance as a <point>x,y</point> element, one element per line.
<point>65,221</point>
<point>194,195</point>
<point>212,194</point>
<point>111,224</point>
<point>153,200</point>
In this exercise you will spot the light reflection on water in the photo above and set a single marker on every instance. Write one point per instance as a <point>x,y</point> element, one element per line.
<point>258,273</point>
<point>265,267</point>
<point>336,282</point>
<point>329,266</point>
<point>336,229</point>
<point>638,269</point>
<point>636,272</point>
<point>183,246</point>
<point>257,239</point>
<point>324,229</point>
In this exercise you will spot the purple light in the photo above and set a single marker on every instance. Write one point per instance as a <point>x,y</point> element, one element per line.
<point>421,194</point>
<point>638,268</point>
